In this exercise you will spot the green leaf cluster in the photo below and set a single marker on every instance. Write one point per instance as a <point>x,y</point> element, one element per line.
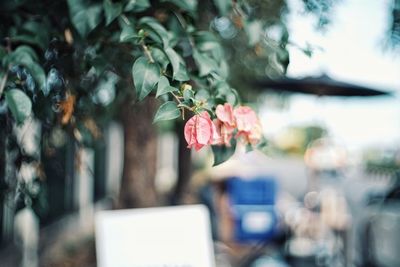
<point>116,52</point>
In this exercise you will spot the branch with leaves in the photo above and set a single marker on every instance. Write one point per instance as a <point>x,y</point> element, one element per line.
<point>84,62</point>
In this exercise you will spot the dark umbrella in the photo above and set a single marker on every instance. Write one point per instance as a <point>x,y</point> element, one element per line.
<point>323,86</point>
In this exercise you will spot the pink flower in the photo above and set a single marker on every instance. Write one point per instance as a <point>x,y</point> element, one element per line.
<point>225,133</point>
<point>200,131</point>
<point>225,114</point>
<point>225,124</point>
<point>246,118</point>
<point>255,134</point>
<point>248,124</point>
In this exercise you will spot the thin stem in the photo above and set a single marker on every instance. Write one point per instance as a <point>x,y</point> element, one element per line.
<point>237,9</point>
<point>147,51</point>
<point>3,82</point>
<point>125,19</point>
<point>5,77</point>
<point>177,98</point>
<point>182,106</point>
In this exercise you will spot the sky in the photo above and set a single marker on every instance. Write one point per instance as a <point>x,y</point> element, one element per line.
<point>352,49</point>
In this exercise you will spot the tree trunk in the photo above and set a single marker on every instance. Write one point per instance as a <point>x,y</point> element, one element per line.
<point>184,166</point>
<point>140,155</point>
<point>3,185</point>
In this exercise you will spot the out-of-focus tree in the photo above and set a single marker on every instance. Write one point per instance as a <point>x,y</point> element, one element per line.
<point>394,29</point>
<point>296,139</point>
<point>74,65</point>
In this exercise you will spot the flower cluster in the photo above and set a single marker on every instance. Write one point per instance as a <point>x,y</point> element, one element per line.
<point>241,122</point>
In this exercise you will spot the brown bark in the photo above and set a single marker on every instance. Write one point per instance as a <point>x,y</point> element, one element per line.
<point>2,157</point>
<point>2,178</point>
<point>184,166</point>
<point>140,155</point>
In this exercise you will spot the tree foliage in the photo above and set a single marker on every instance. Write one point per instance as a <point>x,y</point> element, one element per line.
<point>73,65</point>
<point>67,62</point>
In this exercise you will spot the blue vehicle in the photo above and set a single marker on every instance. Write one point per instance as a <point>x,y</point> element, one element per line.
<point>252,203</point>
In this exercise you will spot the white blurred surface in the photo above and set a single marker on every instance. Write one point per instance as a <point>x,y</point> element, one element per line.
<point>155,237</point>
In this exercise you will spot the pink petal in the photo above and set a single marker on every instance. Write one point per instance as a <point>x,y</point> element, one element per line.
<point>203,128</point>
<point>226,133</point>
<point>198,147</point>
<point>189,131</point>
<point>216,128</point>
<point>225,113</point>
<point>246,118</point>
<point>255,134</point>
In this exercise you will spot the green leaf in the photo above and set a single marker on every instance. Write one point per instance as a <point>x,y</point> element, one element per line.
<point>162,83</point>
<point>3,52</point>
<point>38,31</point>
<point>153,36</point>
<point>24,50</point>
<point>2,74</point>
<point>175,60</point>
<point>128,33</point>
<point>202,95</point>
<point>11,5</point>
<point>19,104</point>
<point>99,63</point>
<point>208,46</point>
<point>27,39</point>
<point>222,88</point>
<point>38,74</point>
<point>111,10</point>
<point>237,97</point>
<point>223,69</point>
<point>160,57</point>
<point>145,76</point>
<point>163,87</point>
<point>188,95</point>
<point>226,93</point>
<point>168,89</point>
<point>84,17</point>
<point>204,36</point>
<point>224,6</point>
<point>154,25</point>
<point>207,42</point>
<point>223,153</point>
<point>26,56</point>
<point>167,111</point>
<point>104,92</point>
<point>137,5</point>
<point>21,55</point>
<point>205,64</point>
<point>182,74</point>
<point>187,5</point>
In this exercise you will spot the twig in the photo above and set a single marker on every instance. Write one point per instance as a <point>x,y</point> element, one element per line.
<point>3,82</point>
<point>237,9</point>
<point>182,106</point>
<point>5,77</point>
<point>147,51</point>
<point>177,98</point>
<point>125,19</point>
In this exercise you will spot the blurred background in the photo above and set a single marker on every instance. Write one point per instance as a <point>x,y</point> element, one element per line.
<point>323,190</point>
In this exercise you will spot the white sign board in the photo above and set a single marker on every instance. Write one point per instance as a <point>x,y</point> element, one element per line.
<point>177,236</point>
